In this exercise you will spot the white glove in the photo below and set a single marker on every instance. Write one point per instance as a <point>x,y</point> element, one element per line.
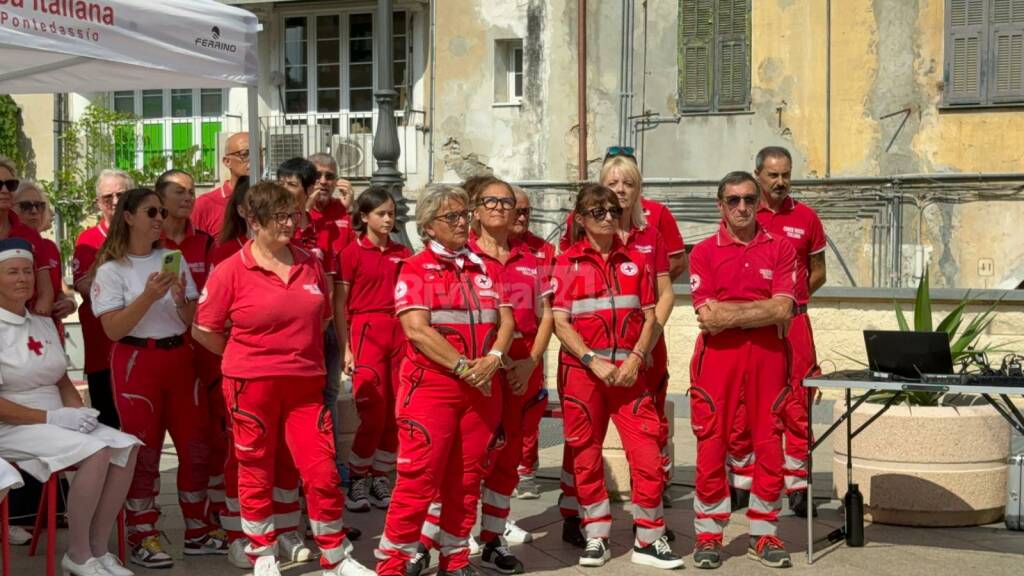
<point>76,419</point>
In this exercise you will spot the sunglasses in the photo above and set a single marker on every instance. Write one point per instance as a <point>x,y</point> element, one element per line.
<point>111,199</point>
<point>602,213</point>
<point>281,218</point>
<point>152,211</point>
<point>614,151</point>
<point>734,201</point>
<point>11,184</point>
<point>492,203</point>
<point>242,155</point>
<point>326,175</point>
<point>453,218</point>
<point>524,212</point>
<point>29,206</point>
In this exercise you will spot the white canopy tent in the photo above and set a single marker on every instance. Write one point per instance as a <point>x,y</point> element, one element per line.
<point>107,45</point>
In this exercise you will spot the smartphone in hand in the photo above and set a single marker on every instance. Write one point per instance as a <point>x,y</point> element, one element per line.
<point>172,263</point>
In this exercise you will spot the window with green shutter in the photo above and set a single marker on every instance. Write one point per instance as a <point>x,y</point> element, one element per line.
<point>984,62</point>
<point>714,55</point>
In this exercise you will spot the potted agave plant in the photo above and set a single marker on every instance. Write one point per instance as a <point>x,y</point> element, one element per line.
<point>931,459</point>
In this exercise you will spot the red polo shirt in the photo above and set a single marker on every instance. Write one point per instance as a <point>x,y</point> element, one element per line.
<point>650,243</point>
<point>334,215</point>
<point>276,327</point>
<point>319,241</point>
<point>525,281</point>
<point>196,247</point>
<point>97,345</point>
<point>800,224</point>
<point>208,213</point>
<point>724,270</point>
<point>222,252</point>
<point>462,302</point>
<point>605,299</point>
<point>370,274</point>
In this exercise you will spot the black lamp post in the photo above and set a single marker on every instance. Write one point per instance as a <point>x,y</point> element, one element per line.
<point>386,148</point>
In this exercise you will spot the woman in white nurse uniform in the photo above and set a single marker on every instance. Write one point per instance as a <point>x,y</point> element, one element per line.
<point>45,428</point>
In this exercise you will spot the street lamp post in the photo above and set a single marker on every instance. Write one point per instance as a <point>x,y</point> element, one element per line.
<point>386,147</point>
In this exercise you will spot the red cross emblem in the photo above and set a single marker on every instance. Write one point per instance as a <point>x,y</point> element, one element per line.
<point>35,346</point>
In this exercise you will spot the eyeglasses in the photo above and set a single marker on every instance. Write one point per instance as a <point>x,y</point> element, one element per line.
<point>326,175</point>
<point>453,218</point>
<point>281,218</point>
<point>29,206</point>
<point>734,201</point>
<point>111,199</point>
<point>11,184</point>
<point>152,211</point>
<point>242,155</point>
<point>602,213</point>
<point>614,151</point>
<point>492,203</point>
<point>523,212</point>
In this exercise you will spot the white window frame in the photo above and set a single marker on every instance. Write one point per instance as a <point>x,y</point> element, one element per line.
<point>505,50</point>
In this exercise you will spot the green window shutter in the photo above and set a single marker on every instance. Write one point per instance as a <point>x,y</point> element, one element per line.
<point>210,130</point>
<point>1006,68</point>
<point>124,146</point>
<point>181,137</point>
<point>965,48</point>
<point>696,41</point>
<point>152,142</point>
<point>732,55</point>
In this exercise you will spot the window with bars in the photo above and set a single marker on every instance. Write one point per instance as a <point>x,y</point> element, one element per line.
<point>329,62</point>
<point>714,55</point>
<point>984,62</point>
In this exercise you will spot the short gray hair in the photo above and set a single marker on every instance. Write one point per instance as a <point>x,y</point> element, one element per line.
<point>6,162</point>
<point>322,159</point>
<point>115,173</point>
<point>430,202</point>
<point>27,185</point>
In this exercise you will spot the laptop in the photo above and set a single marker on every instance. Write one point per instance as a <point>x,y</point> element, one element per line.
<point>908,354</point>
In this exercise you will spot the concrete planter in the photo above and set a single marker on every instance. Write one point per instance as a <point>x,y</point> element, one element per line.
<point>927,466</point>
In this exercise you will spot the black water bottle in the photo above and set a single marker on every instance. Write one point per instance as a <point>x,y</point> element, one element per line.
<point>854,503</point>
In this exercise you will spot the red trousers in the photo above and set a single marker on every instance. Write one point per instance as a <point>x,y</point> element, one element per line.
<point>588,406</point>
<point>803,363</point>
<point>657,382</point>
<point>448,437</point>
<point>156,392</point>
<point>208,371</point>
<point>378,344</point>
<point>730,369</point>
<point>531,436</point>
<point>276,420</point>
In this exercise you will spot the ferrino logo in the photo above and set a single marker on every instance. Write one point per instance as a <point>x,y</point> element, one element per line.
<point>213,42</point>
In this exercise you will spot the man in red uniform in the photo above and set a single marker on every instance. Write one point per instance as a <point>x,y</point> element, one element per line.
<point>787,218</point>
<point>544,251</point>
<point>208,214</point>
<point>743,282</point>
<point>110,185</point>
<point>326,209</point>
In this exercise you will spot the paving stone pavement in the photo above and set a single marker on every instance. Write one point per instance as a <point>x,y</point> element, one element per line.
<point>988,550</point>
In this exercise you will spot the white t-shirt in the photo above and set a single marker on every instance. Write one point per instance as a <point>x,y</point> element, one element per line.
<point>119,283</point>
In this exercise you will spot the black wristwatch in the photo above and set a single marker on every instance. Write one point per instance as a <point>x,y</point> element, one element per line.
<point>587,358</point>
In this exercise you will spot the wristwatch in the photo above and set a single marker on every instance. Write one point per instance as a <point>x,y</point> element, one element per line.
<point>587,358</point>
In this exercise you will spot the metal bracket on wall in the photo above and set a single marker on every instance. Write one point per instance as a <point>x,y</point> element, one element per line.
<point>906,116</point>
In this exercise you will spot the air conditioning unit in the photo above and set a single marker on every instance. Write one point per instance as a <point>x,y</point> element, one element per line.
<point>284,142</point>
<point>354,155</point>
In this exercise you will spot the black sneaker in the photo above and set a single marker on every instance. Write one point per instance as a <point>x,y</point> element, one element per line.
<point>596,553</point>
<point>707,554</point>
<point>738,498</point>
<point>419,562</point>
<point>353,533</point>
<point>798,504</point>
<point>466,570</point>
<point>358,497</point>
<point>666,498</point>
<point>572,531</point>
<point>497,555</point>
<point>657,554</point>
<point>768,550</point>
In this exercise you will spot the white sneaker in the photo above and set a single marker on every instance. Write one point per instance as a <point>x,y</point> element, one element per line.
<point>474,547</point>
<point>266,566</point>
<point>516,535</point>
<point>113,565</point>
<point>349,567</point>
<point>236,554</point>
<point>292,547</point>
<point>151,554</point>
<point>18,536</point>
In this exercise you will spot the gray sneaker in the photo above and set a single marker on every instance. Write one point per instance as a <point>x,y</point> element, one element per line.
<point>768,550</point>
<point>528,489</point>
<point>707,554</point>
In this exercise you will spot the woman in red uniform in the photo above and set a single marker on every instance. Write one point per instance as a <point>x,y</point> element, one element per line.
<point>235,232</point>
<point>274,296</point>
<point>452,309</point>
<point>145,311</point>
<point>372,343</point>
<point>604,317</point>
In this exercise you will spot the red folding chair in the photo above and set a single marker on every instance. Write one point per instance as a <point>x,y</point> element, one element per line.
<point>48,505</point>
<point>5,516</point>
